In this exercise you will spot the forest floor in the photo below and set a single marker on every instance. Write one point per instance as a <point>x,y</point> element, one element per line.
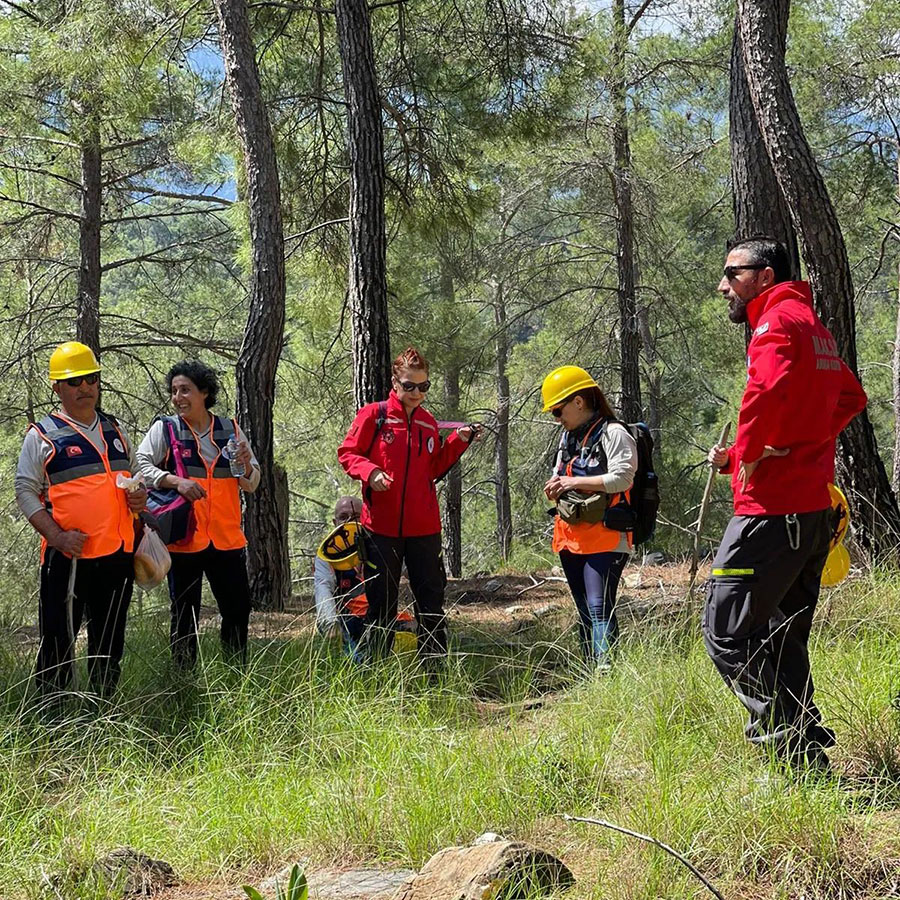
<point>362,775</point>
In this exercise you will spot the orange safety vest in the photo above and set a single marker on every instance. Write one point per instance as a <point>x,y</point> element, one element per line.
<point>82,493</point>
<point>588,537</point>
<point>218,514</point>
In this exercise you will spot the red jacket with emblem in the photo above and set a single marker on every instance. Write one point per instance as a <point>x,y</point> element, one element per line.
<point>799,396</point>
<point>412,453</point>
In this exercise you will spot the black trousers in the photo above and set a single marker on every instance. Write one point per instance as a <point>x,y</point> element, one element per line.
<point>226,571</point>
<point>425,566</point>
<point>759,611</point>
<point>103,589</point>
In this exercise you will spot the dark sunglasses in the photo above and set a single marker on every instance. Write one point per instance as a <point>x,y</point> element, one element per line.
<point>410,386</point>
<point>76,380</point>
<point>731,271</point>
<point>557,410</point>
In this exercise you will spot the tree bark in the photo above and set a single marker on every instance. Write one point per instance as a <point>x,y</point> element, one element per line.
<point>759,206</point>
<point>452,515</point>
<point>87,321</point>
<point>453,483</point>
<point>501,448</point>
<point>876,516</point>
<point>895,472</point>
<point>654,380</point>
<point>365,145</point>
<point>265,516</point>
<point>629,332</point>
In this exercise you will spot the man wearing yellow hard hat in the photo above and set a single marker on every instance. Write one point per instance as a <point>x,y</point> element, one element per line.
<point>66,486</point>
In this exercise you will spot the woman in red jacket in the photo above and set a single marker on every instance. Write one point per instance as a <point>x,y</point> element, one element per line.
<point>394,449</point>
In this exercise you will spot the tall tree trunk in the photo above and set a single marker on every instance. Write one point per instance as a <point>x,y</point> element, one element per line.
<point>877,518</point>
<point>501,448</point>
<point>895,482</point>
<point>759,205</point>
<point>365,144</point>
<point>453,483</point>
<point>654,379</point>
<point>266,510</point>
<point>87,322</point>
<point>630,338</point>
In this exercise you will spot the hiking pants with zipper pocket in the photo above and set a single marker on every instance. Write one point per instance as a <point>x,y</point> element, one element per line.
<point>759,610</point>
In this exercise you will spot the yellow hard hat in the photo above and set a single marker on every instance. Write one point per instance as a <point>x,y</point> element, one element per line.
<point>562,383</point>
<point>72,358</point>
<point>339,547</point>
<point>836,566</point>
<point>840,512</point>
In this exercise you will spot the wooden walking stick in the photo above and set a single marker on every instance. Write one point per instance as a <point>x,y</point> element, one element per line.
<point>704,505</point>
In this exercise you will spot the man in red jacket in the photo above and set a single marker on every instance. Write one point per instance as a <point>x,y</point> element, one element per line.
<point>766,574</point>
<point>394,449</point>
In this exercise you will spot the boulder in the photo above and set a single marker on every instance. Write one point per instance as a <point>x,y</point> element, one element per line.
<point>494,870</point>
<point>132,873</point>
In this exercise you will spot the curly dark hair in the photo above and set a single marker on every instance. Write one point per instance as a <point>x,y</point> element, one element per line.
<point>201,374</point>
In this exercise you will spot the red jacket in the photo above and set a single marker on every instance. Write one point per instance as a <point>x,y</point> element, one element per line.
<point>799,395</point>
<point>412,453</point>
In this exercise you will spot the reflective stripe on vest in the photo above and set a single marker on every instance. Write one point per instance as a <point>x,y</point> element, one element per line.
<point>218,514</point>
<point>83,493</point>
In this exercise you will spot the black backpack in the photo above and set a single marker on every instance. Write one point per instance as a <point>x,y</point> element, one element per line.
<point>638,515</point>
<point>645,490</point>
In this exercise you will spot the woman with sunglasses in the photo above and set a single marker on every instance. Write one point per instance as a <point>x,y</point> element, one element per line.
<point>597,454</point>
<point>216,547</point>
<point>394,449</point>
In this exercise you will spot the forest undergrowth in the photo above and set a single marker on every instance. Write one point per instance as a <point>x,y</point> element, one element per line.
<point>230,774</point>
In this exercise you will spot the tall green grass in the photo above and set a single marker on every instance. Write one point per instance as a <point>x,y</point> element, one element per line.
<point>228,774</point>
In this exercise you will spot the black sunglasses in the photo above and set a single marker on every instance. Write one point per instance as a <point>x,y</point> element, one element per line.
<point>731,271</point>
<point>557,410</point>
<point>76,380</point>
<point>410,386</point>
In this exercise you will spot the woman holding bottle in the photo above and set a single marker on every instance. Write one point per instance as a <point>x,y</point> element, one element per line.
<point>218,463</point>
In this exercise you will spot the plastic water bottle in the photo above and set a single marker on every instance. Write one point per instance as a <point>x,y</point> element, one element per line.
<point>236,466</point>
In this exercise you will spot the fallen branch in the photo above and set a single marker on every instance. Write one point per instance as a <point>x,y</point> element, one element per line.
<point>530,586</point>
<point>650,840</point>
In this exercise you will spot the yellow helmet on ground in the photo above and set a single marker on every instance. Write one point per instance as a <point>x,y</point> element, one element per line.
<point>840,512</point>
<point>836,566</point>
<point>562,383</point>
<point>339,547</point>
<point>71,359</point>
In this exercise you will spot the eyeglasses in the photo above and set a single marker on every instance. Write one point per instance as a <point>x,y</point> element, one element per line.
<point>731,271</point>
<point>76,380</point>
<point>557,410</point>
<point>410,386</point>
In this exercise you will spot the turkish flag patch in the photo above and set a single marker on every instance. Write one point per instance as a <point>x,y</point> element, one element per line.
<point>73,450</point>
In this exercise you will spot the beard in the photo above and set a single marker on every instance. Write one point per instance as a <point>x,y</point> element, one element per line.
<point>737,309</point>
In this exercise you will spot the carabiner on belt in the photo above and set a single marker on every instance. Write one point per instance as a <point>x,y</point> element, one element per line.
<point>792,525</point>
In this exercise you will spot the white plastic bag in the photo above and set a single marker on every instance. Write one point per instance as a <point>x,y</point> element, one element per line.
<point>151,561</point>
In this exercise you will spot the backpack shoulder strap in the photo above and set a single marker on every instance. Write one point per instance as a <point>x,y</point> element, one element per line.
<point>380,418</point>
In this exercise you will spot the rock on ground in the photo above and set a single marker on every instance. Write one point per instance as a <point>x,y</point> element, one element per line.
<point>132,873</point>
<point>354,884</point>
<point>507,869</point>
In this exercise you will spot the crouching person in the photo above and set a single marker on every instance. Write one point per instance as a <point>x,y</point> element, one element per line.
<point>338,578</point>
<point>66,487</point>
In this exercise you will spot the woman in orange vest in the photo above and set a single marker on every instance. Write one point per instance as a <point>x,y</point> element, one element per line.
<point>597,454</point>
<point>216,546</point>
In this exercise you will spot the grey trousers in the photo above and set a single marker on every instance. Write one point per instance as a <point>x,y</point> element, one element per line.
<point>759,610</point>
